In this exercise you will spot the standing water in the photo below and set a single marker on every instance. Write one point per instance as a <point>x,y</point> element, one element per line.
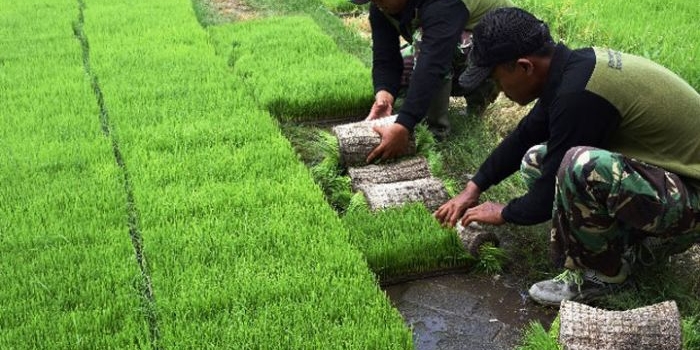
<point>466,311</point>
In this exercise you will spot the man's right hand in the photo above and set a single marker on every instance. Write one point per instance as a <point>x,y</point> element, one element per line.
<point>454,209</point>
<point>382,107</point>
<point>395,140</point>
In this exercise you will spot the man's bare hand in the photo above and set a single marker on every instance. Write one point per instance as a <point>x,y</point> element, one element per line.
<point>394,143</point>
<point>454,209</point>
<point>486,213</point>
<point>382,107</point>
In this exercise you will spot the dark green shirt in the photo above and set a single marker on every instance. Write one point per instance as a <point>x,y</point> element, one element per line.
<point>605,99</point>
<point>478,8</point>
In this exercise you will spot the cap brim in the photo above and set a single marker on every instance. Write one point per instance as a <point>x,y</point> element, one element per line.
<point>473,76</point>
<point>359,2</point>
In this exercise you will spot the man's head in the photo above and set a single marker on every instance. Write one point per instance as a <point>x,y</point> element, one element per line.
<point>513,47</point>
<point>391,7</point>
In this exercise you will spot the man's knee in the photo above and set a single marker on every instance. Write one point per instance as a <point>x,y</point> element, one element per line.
<point>531,164</point>
<point>533,157</point>
<point>584,163</point>
<point>588,171</point>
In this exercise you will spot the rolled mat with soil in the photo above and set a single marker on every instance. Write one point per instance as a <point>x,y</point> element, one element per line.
<point>583,327</point>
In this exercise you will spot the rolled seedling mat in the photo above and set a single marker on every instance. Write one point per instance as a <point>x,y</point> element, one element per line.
<point>474,236</point>
<point>583,327</point>
<point>428,191</point>
<point>404,170</point>
<point>357,140</point>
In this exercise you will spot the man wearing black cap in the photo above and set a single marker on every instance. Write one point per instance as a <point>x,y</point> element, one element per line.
<point>610,153</point>
<point>438,31</point>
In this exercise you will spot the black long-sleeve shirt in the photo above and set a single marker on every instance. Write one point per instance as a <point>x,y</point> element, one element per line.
<point>442,23</point>
<point>566,115</point>
<point>606,99</point>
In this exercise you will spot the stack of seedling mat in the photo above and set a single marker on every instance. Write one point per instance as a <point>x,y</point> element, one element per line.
<point>387,184</point>
<point>392,184</point>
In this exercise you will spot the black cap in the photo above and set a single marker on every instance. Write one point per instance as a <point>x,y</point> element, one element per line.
<point>502,35</point>
<point>359,2</point>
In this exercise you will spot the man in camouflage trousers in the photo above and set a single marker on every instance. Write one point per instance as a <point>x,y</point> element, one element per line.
<point>606,203</point>
<point>609,151</point>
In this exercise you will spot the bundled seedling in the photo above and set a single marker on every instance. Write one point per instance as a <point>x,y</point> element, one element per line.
<point>403,241</point>
<point>399,240</point>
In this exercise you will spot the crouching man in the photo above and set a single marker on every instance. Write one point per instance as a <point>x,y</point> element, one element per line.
<point>610,152</point>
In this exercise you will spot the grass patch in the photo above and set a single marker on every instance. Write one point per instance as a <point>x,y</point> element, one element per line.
<point>536,337</point>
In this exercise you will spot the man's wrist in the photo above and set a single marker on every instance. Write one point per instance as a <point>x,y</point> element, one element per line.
<point>406,122</point>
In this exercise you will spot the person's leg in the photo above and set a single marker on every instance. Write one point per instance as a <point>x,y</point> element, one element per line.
<point>479,99</point>
<point>437,116</point>
<point>409,62</point>
<point>604,204</point>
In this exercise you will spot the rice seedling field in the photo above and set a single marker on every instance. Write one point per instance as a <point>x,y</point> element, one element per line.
<point>149,198</point>
<point>149,201</point>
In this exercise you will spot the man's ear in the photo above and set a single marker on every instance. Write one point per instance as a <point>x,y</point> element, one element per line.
<point>526,64</point>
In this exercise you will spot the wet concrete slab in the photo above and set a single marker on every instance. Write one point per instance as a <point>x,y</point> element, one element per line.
<point>466,311</point>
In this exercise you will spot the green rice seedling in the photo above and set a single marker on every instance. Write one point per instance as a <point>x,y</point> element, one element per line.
<point>491,259</point>
<point>691,332</point>
<point>243,249</point>
<point>207,13</point>
<point>427,147</point>
<point>358,202</point>
<point>537,338</point>
<point>301,75</point>
<point>68,266</point>
<point>403,240</point>
<point>341,7</point>
<point>346,38</point>
<point>329,173</point>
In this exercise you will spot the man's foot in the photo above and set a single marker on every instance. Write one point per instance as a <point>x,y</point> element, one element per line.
<point>578,285</point>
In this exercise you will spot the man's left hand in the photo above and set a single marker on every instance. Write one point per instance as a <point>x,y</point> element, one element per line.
<point>486,213</point>
<point>394,143</point>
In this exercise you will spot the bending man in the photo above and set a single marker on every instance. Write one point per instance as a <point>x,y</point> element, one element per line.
<point>439,36</point>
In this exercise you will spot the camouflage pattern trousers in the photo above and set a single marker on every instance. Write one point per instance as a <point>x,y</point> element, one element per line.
<point>606,206</point>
